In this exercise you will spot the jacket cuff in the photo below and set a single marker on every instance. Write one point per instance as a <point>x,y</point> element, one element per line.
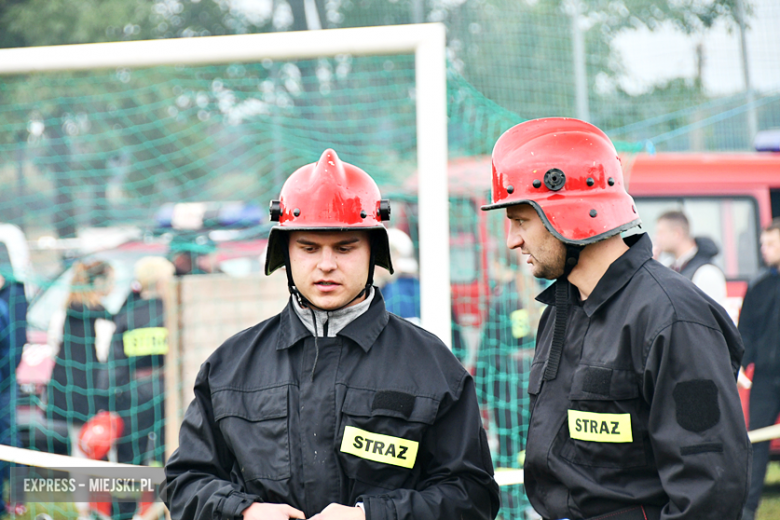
<point>375,508</point>
<point>234,504</point>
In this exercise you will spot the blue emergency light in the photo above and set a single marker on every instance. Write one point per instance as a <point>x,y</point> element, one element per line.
<point>767,141</point>
<point>208,215</point>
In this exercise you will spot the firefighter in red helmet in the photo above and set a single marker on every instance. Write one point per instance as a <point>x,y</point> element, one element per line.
<point>334,409</point>
<point>634,408</point>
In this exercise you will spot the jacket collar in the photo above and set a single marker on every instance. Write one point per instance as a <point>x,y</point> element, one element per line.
<point>618,275</point>
<point>364,330</point>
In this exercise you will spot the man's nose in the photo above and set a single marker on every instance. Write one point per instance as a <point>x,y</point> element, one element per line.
<point>327,260</point>
<point>514,240</point>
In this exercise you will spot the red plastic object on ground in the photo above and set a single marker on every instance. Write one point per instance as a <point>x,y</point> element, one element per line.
<point>99,434</point>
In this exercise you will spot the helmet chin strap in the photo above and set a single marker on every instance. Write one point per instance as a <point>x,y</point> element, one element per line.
<point>561,311</point>
<point>572,258</point>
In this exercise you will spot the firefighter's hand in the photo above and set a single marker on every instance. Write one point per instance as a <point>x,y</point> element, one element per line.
<point>262,511</point>
<point>339,512</point>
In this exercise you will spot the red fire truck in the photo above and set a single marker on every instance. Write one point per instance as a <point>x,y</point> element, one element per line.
<point>728,197</point>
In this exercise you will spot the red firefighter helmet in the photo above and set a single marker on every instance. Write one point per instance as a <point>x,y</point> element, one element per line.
<point>100,433</point>
<point>329,195</point>
<point>569,171</point>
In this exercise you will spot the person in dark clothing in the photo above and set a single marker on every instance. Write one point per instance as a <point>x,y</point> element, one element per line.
<point>6,401</point>
<point>80,383</point>
<point>193,255</point>
<point>634,406</point>
<point>141,340</point>
<point>74,394</point>
<point>12,294</point>
<point>138,356</point>
<point>402,290</point>
<point>13,336</point>
<point>760,331</point>
<point>693,257</point>
<point>503,362</point>
<point>137,360</point>
<point>333,409</point>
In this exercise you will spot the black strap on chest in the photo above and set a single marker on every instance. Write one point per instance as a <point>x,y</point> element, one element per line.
<point>559,332</point>
<point>561,312</point>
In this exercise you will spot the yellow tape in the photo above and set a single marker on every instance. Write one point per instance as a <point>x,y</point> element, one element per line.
<point>146,342</point>
<point>600,427</point>
<point>379,448</point>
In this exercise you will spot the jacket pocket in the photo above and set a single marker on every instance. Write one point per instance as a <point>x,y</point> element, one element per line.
<point>535,378</point>
<point>254,424</point>
<point>604,425</point>
<point>379,441</point>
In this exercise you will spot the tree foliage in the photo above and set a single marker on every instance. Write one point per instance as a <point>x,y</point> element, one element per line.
<point>509,60</point>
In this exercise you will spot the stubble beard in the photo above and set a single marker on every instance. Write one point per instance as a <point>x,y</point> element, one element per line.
<point>552,267</point>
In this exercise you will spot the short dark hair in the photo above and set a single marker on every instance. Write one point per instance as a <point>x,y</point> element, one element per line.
<point>678,218</point>
<point>774,225</point>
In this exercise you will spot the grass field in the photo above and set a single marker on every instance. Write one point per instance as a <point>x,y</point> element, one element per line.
<point>770,500</point>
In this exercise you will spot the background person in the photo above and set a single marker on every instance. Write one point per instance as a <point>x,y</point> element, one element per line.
<point>503,362</point>
<point>635,413</point>
<point>193,255</point>
<point>760,329</point>
<point>138,355</point>
<point>12,294</point>
<point>334,409</point>
<point>693,257</point>
<point>13,335</point>
<point>402,288</point>
<point>82,336</point>
<point>80,381</point>
<point>6,402</point>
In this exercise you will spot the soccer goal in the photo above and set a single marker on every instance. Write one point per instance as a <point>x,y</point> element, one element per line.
<point>97,136</point>
<point>426,42</point>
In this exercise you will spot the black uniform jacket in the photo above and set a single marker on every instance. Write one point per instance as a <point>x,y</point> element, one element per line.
<point>388,417</point>
<point>79,386</point>
<point>759,325</point>
<point>644,409</point>
<point>140,317</point>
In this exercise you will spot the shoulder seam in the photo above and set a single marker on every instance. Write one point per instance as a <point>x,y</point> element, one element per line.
<point>417,327</point>
<point>646,348</point>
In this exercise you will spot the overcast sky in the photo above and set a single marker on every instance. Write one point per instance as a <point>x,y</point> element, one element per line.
<point>652,57</point>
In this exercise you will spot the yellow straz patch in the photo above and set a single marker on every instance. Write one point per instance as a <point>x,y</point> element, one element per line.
<point>146,342</point>
<point>379,448</point>
<point>600,427</point>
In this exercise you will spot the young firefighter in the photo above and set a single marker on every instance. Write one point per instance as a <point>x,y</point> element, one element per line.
<point>334,409</point>
<point>634,407</point>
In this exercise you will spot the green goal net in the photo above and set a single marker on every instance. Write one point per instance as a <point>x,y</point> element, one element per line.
<point>108,167</point>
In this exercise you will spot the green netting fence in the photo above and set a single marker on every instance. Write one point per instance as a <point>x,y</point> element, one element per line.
<point>88,158</point>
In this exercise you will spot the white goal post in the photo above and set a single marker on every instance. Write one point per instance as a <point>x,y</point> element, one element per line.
<point>425,41</point>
